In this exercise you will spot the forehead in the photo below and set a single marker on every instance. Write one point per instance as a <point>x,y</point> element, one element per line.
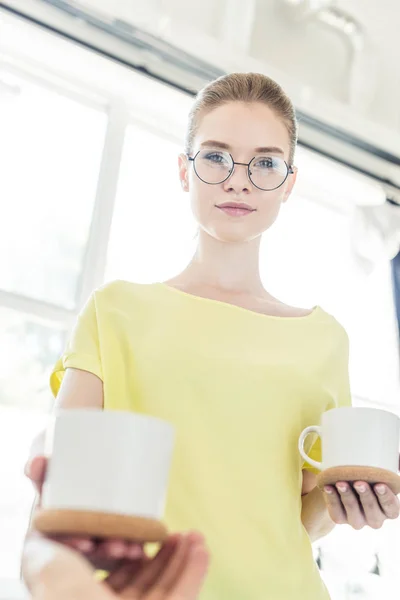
<point>243,127</point>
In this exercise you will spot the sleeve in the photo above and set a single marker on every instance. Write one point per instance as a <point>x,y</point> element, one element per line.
<point>341,391</point>
<point>83,348</point>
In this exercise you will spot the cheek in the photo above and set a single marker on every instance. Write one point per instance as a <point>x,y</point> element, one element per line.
<point>203,197</point>
<point>269,205</point>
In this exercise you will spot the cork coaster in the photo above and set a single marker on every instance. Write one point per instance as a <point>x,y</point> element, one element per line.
<point>97,524</point>
<point>371,475</point>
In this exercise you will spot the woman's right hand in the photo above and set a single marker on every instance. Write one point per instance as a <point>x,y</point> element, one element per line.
<point>104,555</point>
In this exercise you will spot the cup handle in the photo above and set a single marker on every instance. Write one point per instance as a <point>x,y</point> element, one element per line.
<point>302,438</point>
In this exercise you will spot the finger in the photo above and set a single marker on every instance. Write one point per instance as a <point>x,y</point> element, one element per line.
<point>374,515</point>
<point>105,556</point>
<point>108,554</point>
<point>150,573</point>
<point>135,551</point>
<point>112,548</point>
<point>192,577</point>
<point>123,571</point>
<point>355,516</point>
<point>122,575</point>
<point>85,545</point>
<point>334,505</point>
<point>35,470</point>
<point>390,504</point>
<point>174,569</point>
<point>92,550</point>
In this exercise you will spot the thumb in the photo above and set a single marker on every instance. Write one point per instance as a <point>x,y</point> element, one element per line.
<point>35,470</point>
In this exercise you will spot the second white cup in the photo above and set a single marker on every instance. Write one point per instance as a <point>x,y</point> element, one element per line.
<point>356,436</point>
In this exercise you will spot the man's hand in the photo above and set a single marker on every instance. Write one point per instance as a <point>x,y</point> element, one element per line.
<point>361,505</point>
<point>177,572</point>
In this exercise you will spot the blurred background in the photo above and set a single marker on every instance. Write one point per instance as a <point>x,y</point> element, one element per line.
<point>94,97</point>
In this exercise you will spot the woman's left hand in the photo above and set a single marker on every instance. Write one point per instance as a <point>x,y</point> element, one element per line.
<point>360,504</point>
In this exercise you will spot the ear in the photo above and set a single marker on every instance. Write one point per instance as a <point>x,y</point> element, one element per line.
<point>290,184</point>
<point>183,165</point>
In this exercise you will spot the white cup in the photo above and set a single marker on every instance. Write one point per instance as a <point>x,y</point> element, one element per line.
<point>356,436</point>
<point>107,461</point>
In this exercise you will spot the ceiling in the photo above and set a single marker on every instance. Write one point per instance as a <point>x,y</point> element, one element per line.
<point>338,60</point>
<point>345,50</point>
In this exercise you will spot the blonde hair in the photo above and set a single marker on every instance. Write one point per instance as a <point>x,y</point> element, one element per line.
<point>243,87</point>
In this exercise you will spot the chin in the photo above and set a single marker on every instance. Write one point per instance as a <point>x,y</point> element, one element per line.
<point>232,233</point>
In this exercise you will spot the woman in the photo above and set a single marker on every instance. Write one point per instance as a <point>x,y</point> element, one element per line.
<point>238,372</point>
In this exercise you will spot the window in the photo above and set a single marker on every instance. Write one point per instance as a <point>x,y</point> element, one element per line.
<point>153,230</point>
<point>50,150</point>
<point>309,258</point>
<point>28,350</point>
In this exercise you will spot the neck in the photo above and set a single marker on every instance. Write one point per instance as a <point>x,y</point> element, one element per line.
<point>228,266</point>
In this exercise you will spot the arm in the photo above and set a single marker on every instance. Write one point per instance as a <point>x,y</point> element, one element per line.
<point>79,389</point>
<point>314,513</point>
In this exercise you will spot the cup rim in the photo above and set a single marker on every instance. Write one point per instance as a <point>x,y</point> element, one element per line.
<point>364,409</point>
<point>107,412</point>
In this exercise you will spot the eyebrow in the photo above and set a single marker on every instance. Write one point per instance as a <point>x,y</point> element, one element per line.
<point>223,146</point>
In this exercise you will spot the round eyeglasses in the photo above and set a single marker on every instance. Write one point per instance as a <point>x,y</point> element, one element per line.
<point>266,173</point>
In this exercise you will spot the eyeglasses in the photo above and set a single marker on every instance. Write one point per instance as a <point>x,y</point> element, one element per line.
<point>265,172</point>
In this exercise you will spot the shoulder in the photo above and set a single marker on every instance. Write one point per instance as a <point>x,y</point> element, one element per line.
<point>123,295</point>
<point>334,328</point>
<point>333,321</point>
<point>115,289</point>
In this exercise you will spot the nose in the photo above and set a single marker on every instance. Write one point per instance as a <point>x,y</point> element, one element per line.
<point>239,180</point>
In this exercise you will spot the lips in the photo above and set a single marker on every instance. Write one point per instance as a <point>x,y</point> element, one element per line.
<point>235,210</point>
<point>236,205</point>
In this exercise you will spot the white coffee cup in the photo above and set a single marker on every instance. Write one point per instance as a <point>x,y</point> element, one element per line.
<point>107,461</point>
<point>356,436</point>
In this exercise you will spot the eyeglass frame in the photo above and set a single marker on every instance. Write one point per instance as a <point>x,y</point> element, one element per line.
<point>289,169</point>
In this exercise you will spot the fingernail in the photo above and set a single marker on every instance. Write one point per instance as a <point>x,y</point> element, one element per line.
<point>341,487</point>
<point>117,551</point>
<point>85,545</point>
<point>380,489</point>
<point>135,552</point>
<point>328,490</point>
<point>195,537</point>
<point>360,488</point>
<point>196,548</point>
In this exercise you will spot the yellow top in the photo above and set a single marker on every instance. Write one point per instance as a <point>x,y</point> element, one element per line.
<point>239,388</point>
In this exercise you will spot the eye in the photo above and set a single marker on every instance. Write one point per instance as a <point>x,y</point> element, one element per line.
<point>265,162</point>
<point>216,157</point>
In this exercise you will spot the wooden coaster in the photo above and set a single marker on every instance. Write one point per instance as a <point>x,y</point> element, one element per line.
<point>371,475</point>
<point>97,524</point>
